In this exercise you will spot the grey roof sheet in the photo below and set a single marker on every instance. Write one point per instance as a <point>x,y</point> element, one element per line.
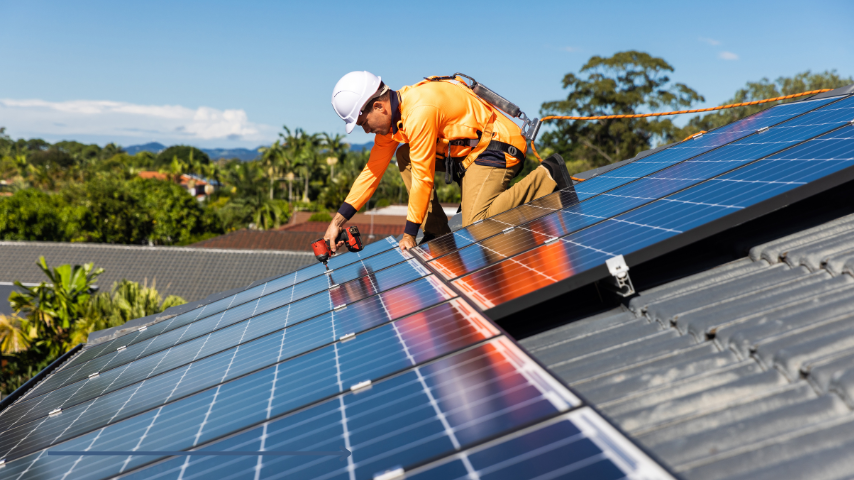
<point>742,371</point>
<point>191,273</point>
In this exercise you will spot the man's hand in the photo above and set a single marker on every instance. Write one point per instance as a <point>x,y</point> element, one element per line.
<point>407,242</point>
<point>331,235</point>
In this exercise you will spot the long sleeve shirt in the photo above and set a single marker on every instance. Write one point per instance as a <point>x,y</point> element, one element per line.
<point>428,114</point>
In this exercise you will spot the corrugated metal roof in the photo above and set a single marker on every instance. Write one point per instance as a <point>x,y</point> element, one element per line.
<point>192,273</point>
<point>742,371</point>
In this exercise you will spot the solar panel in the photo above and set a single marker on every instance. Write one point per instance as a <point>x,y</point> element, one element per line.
<point>576,445</point>
<point>301,335</point>
<point>293,356</point>
<point>615,178</point>
<point>142,343</point>
<point>708,141</point>
<point>643,190</point>
<point>427,411</point>
<point>639,234</point>
<point>266,288</point>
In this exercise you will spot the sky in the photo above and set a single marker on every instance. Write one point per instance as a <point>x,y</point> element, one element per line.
<point>227,74</point>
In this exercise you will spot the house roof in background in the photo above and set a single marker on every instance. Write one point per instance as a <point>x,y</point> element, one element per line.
<point>191,273</point>
<point>741,371</point>
<point>294,241</point>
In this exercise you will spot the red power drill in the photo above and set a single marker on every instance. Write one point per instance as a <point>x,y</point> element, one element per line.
<point>350,236</point>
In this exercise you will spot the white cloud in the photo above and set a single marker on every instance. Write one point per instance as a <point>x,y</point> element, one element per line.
<point>107,118</point>
<point>571,49</point>
<point>710,41</point>
<point>728,56</point>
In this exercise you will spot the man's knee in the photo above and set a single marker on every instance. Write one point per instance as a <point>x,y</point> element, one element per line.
<point>402,157</point>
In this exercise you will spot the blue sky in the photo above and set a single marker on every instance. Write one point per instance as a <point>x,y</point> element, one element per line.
<point>230,74</point>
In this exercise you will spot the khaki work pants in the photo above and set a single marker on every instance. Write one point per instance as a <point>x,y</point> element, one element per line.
<point>484,192</point>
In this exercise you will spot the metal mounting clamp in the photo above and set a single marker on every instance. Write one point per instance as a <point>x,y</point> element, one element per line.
<point>619,281</point>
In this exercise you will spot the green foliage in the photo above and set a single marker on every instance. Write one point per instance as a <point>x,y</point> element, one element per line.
<point>181,152</point>
<point>764,88</point>
<point>31,214</point>
<point>320,217</point>
<point>125,301</point>
<point>51,308</point>
<point>623,84</point>
<point>52,317</point>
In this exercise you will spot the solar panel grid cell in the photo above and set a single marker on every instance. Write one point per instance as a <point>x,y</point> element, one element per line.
<point>707,201</point>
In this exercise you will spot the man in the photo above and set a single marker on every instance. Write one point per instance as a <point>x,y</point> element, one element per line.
<point>438,117</point>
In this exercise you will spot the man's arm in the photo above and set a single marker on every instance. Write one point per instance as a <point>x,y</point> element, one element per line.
<point>364,186</point>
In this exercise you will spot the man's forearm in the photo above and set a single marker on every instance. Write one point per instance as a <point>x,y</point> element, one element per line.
<point>339,220</point>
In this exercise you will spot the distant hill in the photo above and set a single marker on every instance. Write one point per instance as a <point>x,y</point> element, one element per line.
<point>215,153</point>
<point>361,146</point>
<point>244,154</point>
<point>152,147</point>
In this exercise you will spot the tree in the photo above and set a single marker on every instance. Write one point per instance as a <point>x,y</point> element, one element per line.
<point>249,202</point>
<point>125,301</point>
<point>764,88</point>
<point>623,84</point>
<point>52,308</point>
<point>183,153</point>
<point>30,214</point>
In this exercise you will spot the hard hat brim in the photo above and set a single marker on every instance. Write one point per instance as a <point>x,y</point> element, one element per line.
<point>349,127</point>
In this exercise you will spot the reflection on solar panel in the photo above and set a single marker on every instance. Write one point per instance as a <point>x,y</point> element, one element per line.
<point>738,181</point>
<point>379,357</point>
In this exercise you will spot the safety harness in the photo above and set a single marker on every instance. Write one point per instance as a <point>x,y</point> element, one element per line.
<point>455,167</point>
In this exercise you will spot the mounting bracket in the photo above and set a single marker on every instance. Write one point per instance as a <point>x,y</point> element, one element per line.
<point>619,280</point>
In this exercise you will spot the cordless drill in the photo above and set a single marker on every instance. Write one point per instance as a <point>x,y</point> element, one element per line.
<point>350,236</point>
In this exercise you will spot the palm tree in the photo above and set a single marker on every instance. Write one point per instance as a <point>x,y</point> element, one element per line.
<point>13,334</point>
<point>52,308</point>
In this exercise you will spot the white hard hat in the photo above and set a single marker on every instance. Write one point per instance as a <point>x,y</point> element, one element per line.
<point>351,93</point>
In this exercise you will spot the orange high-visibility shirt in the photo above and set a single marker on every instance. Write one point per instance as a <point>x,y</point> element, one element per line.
<point>429,114</point>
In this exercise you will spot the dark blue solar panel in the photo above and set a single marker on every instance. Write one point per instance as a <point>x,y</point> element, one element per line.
<point>644,190</point>
<point>346,292</point>
<point>434,408</point>
<point>265,288</point>
<point>431,410</point>
<point>669,157</point>
<point>355,317</point>
<point>684,150</point>
<point>297,382</point>
<point>662,219</point>
<point>578,445</point>
<point>490,226</point>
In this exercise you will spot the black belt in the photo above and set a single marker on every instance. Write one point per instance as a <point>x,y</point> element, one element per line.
<point>454,171</point>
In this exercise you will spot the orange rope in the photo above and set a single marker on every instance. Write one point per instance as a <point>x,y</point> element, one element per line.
<point>661,114</point>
